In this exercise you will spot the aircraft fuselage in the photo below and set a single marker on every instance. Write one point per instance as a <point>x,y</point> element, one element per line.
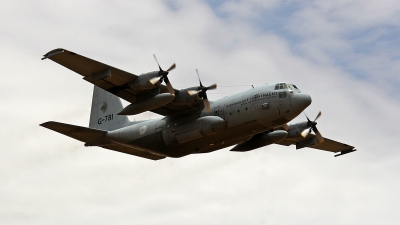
<point>232,120</point>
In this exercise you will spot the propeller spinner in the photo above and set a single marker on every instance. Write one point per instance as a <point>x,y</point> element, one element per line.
<point>312,125</point>
<point>163,76</point>
<point>201,92</point>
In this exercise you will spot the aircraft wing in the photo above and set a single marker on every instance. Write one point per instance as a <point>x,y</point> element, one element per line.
<point>328,145</point>
<point>332,146</point>
<point>110,79</point>
<point>90,135</point>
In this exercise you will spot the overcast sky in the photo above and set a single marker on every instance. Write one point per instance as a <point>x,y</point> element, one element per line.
<point>344,53</point>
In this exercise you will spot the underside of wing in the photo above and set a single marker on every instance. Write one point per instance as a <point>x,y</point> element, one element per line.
<point>327,145</point>
<point>133,151</point>
<point>113,80</point>
<point>332,146</point>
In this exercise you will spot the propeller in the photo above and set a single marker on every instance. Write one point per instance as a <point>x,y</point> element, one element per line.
<point>312,125</point>
<point>163,76</point>
<point>201,91</point>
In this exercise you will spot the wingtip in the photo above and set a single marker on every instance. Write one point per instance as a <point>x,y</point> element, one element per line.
<point>43,124</point>
<point>46,124</point>
<point>346,152</point>
<point>53,53</point>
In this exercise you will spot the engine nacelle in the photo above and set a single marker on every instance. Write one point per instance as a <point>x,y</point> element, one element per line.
<point>294,132</point>
<point>154,102</point>
<point>260,140</point>
<point>182,97</point>
<point>295,135</point>
<point>143,81</point>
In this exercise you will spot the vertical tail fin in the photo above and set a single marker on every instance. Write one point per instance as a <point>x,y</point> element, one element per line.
<point>105,107</point>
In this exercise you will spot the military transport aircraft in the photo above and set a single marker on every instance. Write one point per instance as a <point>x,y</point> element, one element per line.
<point>191,124</point>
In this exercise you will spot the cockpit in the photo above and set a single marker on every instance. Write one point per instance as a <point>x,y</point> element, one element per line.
<point>290,87</point>
<point>291,101</point>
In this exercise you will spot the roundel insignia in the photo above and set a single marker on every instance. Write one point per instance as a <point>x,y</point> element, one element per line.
<point>103,107</point>
<point>142,129</point>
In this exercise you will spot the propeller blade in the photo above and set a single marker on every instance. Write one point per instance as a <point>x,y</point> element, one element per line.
<point>202,92</point>
<point>312,125</point>
<point>171,67</point>
<point>286,126</point>
<point>154,80</point>
<point>207,105</point>
<point>170,88</point>
<point>198,76</point>
<point>154,55</point>
<point>214,86</point>
<point>319,137</point>
<point>305,132</point>
<point>319,114</point>
<point>163,76</point>
<point>193,92</point>
<point>307,117</point>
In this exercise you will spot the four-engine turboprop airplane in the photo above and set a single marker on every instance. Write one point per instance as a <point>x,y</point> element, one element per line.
<point>191,123</point>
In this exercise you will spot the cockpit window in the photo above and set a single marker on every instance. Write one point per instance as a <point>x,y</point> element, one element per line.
<point>294,87</point>
<point>280,86</point>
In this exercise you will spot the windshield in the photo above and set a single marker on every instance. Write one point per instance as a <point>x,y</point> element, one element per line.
<point>293,88</point>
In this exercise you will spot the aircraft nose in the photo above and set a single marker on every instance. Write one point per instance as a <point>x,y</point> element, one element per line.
<point>300,101</point>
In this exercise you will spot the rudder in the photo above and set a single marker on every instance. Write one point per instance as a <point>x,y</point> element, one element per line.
<point>105,107</point>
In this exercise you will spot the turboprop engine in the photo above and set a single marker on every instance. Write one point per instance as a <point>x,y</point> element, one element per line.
<point>143,81</point>
<point>300,133</point>
<point>193,94</point>
<point>182,97</point>
<point>150,80</point>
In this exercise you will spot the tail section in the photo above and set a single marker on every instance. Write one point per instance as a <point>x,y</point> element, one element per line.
<point>105,107</point>
<point>103,118</point>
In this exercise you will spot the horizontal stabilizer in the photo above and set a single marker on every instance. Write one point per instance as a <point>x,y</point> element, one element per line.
<point>76,132</point>
<point>94,137</point>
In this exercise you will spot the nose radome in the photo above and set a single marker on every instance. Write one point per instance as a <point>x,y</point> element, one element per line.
<point>300,101</point>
